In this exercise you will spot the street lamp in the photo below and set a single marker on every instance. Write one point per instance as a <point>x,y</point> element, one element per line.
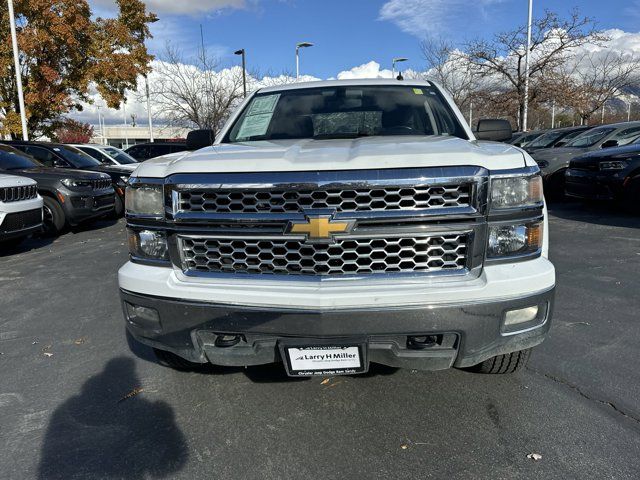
<point>244,70</point>
<point>298,47</point>
<point>150,122</point>
<point>393,65</point>
<point>16,63</point>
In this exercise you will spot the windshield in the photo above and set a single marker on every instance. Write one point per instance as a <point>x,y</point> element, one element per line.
<point>119,156</point>
<point>590,137</point>
<point>546,140</point>
<point>346,112</point>
<point>13,159</point>
<point>76,157</point>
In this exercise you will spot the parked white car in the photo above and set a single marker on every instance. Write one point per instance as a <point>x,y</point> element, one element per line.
<point>20,209</point>
<point>333,224</point>
<point>108,155</point>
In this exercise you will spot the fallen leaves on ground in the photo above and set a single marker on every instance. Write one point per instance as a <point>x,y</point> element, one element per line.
<point>131,394</point>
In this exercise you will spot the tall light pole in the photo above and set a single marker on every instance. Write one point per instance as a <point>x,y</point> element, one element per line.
<point>146,89</point>
<point>393,65</point>
<point>244,70</point>
<point>553,113</point>
<point>98,107</point>
<point>298,47</point>
<point>629,112</point>
<point>16,64</point>
<point>525,113</point>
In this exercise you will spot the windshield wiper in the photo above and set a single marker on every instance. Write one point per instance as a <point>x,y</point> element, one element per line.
<point>329,136</point>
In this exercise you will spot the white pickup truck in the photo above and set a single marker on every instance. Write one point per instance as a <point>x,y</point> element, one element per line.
<point>20,209</point>
<point>334,224</point>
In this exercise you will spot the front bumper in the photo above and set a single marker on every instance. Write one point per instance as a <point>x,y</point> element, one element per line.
<point>466,333</point>
<point>593,185</point>
<point>20,219</point>
<point>83,207</point>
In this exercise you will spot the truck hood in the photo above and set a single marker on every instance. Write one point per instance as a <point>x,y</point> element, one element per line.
<point>368,153</point>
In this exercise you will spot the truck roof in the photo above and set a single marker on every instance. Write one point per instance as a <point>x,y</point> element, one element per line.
<point>346,83</point>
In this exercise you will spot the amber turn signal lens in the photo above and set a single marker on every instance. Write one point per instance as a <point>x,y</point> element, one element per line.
<point>534,235</point>
<point>535,189</point>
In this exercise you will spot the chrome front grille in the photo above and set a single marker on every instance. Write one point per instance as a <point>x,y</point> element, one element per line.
<point>296,200</point>
<point>101,183</point>
<point>18,194</point>
<point>347,256</point>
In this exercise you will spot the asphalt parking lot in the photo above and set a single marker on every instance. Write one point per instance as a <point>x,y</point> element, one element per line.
<point>77,402</point>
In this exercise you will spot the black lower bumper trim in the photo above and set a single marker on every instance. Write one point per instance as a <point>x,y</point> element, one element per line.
<point>469,333</point>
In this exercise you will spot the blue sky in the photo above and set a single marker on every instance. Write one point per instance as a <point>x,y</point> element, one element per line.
<point>348,33</point>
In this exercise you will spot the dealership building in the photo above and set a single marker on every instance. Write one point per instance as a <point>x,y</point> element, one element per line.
<point>123,136</point>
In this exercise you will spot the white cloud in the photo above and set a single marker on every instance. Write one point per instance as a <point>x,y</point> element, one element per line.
<point>366,70</point>
<point>430,17</point>
<point>180,7</point>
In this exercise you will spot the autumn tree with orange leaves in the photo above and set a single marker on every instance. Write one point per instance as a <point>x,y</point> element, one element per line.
<point>64,53</point>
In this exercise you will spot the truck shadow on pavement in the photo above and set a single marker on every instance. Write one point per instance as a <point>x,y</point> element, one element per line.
<point>109,431</point>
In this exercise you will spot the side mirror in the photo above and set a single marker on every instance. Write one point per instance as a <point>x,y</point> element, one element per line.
<point>561,143</point>
<point>58,163</point>
<point>197,139</point>
<point>610,143</point>
<point>495,130</point>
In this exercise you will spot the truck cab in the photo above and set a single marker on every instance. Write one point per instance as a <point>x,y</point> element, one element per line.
<point>338,223</point>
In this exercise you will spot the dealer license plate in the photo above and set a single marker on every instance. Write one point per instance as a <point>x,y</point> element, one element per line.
<point>325,360</point>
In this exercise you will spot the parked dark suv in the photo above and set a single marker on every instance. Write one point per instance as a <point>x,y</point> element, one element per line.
<point>70,196</point>
<point>609,174</point>
<point>145,151</point>
<point>59,155</point>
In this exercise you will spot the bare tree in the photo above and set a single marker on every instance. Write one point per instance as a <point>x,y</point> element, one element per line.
<point>195,92</point>
<point>596,77</point>
<point>553,40</point>
<point>446,65</point>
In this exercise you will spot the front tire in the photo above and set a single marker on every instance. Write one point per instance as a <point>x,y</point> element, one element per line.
<point>507,363</point>
<point>554,187</point>
<point>118,209</point>
<point>54,218</point>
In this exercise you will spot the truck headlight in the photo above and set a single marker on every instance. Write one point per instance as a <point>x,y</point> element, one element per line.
<point>145,200</point>
<point>512,240</point>
<point>613,165</point>
<point>514,192</point>
<point>148,244</point>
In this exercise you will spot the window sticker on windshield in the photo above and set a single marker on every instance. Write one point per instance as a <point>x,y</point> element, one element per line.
<point>266,104</point>
<point>255,125</point>
<point>55,149</point>
<point>418,91</point>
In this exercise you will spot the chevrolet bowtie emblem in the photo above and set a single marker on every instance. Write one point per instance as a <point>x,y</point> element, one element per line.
<point>320,227</point>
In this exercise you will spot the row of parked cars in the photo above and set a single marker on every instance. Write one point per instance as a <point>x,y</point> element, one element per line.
<point>47,187</point>
<point>51,186</point>
<point>592,163</point>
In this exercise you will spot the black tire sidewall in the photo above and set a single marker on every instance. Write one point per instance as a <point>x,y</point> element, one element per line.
<point>58,218</point>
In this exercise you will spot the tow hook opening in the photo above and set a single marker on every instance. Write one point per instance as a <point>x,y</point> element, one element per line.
<point>420,342</point>
<point>225,341</point>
